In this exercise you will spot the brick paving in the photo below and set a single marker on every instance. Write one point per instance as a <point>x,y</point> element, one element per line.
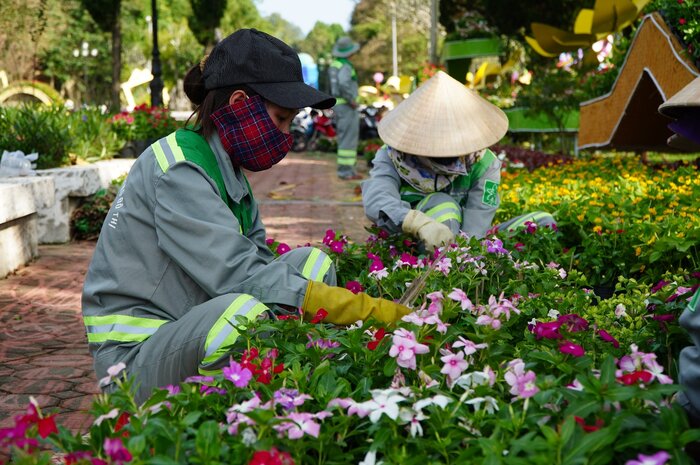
<point>43,349</point>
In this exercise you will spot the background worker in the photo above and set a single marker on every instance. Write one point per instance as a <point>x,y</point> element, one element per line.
<point>436,176</point>
<point>182,252</point>
<point>343,86</point>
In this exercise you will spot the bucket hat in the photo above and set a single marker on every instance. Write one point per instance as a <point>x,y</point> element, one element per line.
<point>684,108</point>
<point>443,118</point>
<point>344,47</point>
<point>266,65</point>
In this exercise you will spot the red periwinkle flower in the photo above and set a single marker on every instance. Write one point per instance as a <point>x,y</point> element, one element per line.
<point>319,316</point>
<point>589,428</point>
<point>635,377</point>
<point>682,21</point>
<point>271,457</point>
<point>376,339</point>
<point>47,426</point>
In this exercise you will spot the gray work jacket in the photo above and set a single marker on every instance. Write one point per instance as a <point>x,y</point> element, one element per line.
<point>343,81</point>
<point>383,204</point>
<point>170,242</point>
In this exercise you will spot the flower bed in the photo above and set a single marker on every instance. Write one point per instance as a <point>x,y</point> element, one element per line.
<point>510,356</point>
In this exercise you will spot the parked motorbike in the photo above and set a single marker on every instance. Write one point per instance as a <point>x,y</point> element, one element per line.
<point>309,126</point>
<point>369,117</point>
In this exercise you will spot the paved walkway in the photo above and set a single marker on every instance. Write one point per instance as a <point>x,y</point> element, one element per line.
<point>43,350</point>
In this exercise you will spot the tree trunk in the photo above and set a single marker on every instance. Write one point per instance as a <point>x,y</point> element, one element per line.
<point>116,57</point>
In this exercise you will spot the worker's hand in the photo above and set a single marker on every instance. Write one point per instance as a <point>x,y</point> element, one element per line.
<point>345,308</point>
<point>431,232</point>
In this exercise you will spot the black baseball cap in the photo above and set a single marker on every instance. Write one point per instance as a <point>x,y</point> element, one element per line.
<point>266,65</point>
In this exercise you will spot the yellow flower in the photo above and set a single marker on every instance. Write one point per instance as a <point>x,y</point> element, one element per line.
<point>580,217</point>
<point>680,235</point>
<point>597,229</point>
<point>638,251</point>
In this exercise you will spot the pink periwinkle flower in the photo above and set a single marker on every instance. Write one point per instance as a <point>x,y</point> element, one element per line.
<point>297,425</point>
<point>460,296</point>
<point>568,347</point>
<point>337,246</point>
<point>289,398</point>
<point>238,375</point>
<point>468,346</point>
<point>405,348</point>
<point>522,383</point>
<point>660,458</point>
<point>454,364</point>
<point>376,265</point>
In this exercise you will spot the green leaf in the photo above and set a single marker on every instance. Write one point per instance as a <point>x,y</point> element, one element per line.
<point>191,418</point>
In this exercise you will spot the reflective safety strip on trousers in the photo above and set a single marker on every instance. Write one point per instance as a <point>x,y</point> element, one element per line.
<point>316,265</point>
<point>347,157</point>
<point>121,328</point>
<point>167,152</point>
<point>533,218</point>
<point>223,334</point>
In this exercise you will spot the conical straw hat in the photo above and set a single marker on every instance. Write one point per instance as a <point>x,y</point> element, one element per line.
<point>684,101</point>
<point>443,118</point>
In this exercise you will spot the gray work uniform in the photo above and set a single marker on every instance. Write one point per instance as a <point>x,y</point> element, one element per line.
<point>344,87</point>
<point>689,361</point>
<point>174,265</point>
<point>469,203</point>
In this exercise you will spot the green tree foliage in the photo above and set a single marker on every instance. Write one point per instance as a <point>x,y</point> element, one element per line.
<point>239,14</point>
<point>513,17</point>
<point>371,26</point>
<point>24,28</point>
<point>283,29</point>
<point>107,13</point>
<point>205,19</point>
<point>319,41</point>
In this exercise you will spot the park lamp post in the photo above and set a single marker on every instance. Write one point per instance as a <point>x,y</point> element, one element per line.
<point>156,85</point>
<point>85,52</point>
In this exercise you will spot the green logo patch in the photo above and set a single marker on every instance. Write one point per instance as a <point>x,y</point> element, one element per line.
<point>490,196</point>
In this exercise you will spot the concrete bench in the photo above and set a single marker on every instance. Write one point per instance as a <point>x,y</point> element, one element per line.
<point>37,210</point>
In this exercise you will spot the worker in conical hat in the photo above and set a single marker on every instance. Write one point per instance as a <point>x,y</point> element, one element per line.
<point>436,175</point>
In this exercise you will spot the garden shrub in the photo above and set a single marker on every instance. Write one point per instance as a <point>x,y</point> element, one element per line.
<point>144,123</point>
<point>87,219</point>
<point>92,135</point>
<point>40,129</point>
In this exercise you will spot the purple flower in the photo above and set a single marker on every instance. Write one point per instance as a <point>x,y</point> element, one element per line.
<point>290,398</point>
<point>238,375</point>
<point>660,458</point>
<point>376,265</point>
<point>494,246</point>
<point>329,237</point>
<point>658,286</point>
<point>568,347</point>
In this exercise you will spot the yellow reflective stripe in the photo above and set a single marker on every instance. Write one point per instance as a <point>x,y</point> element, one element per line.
<point>520,223</point>
<point>424,201</point>
<point>160,156</point>
<point>445,211</point>
<point>177,151</point>
<point>204,372</point>
<point>223,334</point>
<point>316,265</point>
<point>693,303</point>
<point>123,328</point>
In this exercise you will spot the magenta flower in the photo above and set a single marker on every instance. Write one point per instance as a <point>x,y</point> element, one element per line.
<point>407,259</point>
<point>354,287</point>
<point>269,241</point>
<point>337,246</point>
<point>660,458</point>
<point>568,347</point>
<point>547,330</point>
<point>573,323</point>
<point>283,248</point>
<point>329,237</point>
<point>604,335</point>
<point>376,265</point>
<point>114,448</point>
<point>238,375</point>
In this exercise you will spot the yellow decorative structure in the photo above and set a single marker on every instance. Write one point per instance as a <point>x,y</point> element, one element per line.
<point>606,17</point>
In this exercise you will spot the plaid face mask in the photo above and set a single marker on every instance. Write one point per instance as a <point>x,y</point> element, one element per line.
<point>249,135</point>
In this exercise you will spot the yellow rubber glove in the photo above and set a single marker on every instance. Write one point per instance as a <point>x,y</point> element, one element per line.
<point>345,308</point>
<point>431,232</point>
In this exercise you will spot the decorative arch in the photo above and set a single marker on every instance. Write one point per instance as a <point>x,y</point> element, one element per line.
<point>626,117</point>
<point>24,89</point>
